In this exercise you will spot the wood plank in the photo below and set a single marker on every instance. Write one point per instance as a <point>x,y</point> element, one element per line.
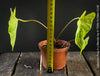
<point>7,63</point>
<point>92,59</point>
<point>61,72</point>
<point>77,65</point>
<point>28,64</point>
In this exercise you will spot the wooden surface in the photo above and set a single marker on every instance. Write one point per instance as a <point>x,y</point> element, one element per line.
<point>27,64</point>
<point>77,65</point>
<point>93,60</point>
<point>61,72</point>
<point>7,63</point>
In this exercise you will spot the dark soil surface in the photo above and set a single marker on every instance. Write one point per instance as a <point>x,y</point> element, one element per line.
<point>59,44</point>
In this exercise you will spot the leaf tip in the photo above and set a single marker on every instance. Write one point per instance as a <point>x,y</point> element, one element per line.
<point>10,9</point>
<point>12,48</point>
<point>14,11</point>
<point>80,52</point>
<point>83,14</point>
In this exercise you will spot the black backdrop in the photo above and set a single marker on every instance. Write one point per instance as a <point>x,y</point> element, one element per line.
<point>29,34</point>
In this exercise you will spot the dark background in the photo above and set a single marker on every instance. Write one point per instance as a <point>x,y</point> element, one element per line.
<point>29,34</point>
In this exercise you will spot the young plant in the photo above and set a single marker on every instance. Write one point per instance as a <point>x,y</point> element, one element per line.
<point>84,25</point>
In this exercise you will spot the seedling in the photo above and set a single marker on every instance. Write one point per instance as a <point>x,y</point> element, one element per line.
<point>84,25</point>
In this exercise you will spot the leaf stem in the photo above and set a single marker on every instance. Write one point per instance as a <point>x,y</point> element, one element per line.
<point>66,27</point>
<point>71,40</point>
<point>34,21</point>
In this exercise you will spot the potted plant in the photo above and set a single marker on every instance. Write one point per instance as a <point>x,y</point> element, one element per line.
<point>84,25</point>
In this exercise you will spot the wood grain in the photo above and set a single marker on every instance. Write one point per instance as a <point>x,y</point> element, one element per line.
<point>77,65</point>
<point>7,63</point>
<point>61,72</point>
<point>91,58</point>
<point>28,64</point>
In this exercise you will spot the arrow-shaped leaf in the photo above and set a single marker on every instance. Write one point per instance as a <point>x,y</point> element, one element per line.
<point>13,23</point>
<point>84,25</point>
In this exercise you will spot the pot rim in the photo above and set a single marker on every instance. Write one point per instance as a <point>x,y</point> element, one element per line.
<point>44,42</point>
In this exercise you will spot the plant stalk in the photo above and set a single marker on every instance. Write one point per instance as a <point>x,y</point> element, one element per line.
<point>71,40</point>
<point>34,21</point>
<point>66,27</point>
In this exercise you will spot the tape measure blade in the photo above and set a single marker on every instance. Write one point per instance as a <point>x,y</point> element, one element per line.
<point>50,34</point>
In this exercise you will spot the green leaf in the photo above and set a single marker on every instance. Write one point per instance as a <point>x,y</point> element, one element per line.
<point>13,23</point>
<point>84,25</point>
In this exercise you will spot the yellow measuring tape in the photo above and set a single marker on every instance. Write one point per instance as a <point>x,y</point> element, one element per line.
<point>50,34</point>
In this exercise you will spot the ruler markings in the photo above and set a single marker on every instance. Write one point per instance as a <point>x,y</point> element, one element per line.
<point>50,34</point>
